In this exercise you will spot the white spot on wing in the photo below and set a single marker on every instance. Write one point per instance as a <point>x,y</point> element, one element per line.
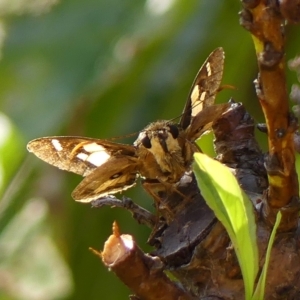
<point>98,158</point>
<point>202,96</point>
<point>197,100</point>
<point>56,144</point>
<point>97,154</point>
<point>93,147</point>
<point>82,156</point>
<point>208,69</point>
<point>195,94</point>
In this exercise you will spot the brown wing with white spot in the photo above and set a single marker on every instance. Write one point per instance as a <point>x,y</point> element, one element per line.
<point>77,154</point>
<point>205,87</point>
<point>118,174</point>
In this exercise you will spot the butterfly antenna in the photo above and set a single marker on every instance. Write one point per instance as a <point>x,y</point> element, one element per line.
<point>226,86</point>
<point>123,136</point>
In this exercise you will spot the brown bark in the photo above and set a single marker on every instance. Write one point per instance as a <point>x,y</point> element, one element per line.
<point>266,24</point>
<point>142,273</point>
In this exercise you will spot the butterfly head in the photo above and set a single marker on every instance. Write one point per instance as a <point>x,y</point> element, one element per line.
<point>159,137</point>
<point>160,144</point>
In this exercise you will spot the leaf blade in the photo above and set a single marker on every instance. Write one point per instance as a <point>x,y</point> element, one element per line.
<point>234,210</point>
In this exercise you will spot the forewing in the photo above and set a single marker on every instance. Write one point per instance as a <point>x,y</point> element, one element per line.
<point>205,87</point>
<point>77,154</point>
<point>117,174</point>
<point>204,120</point>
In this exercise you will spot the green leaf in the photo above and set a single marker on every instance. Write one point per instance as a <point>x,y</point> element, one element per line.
<point>260,288</point>
<point>232,207</point>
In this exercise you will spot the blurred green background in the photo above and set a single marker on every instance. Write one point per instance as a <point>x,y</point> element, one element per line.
<point>99,69</point>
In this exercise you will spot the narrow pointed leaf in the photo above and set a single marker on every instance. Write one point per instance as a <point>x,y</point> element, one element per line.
<point>260,288</point>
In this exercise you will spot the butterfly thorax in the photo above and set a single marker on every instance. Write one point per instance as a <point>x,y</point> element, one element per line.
<point>162,150</point>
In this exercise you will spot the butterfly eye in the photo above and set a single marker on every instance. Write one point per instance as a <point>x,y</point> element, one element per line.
<point>174,131</point>
<point>146,142</point>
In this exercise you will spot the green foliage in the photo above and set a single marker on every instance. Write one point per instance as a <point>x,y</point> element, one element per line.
<point>234,210</point>
<point>260,287</point>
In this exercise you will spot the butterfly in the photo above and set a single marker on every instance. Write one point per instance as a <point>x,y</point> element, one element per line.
<point>162,152</point>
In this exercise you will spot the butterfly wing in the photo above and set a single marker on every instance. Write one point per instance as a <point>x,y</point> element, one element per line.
<point>117,174</point>
<point>77,154</point>
<point>204,120</point>
<point>205,87</point>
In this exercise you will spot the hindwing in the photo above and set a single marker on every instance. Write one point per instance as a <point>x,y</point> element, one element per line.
<point>117,174</point>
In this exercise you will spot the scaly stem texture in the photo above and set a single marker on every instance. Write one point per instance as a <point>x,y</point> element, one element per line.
<point>266,25</point>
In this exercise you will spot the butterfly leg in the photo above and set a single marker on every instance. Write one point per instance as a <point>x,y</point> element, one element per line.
<point>167,198</point>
